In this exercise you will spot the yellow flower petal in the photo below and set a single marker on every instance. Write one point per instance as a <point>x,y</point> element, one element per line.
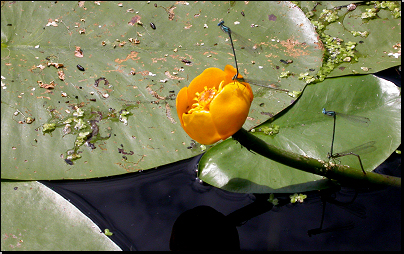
<point>199,126</point>
<point>182,103</point>
<point>230,72</point>
<point>230,109</point>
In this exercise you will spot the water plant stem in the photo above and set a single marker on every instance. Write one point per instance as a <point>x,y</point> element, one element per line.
<point>341,173</point>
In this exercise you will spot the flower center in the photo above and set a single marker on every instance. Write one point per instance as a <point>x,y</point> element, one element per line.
<point>204,99</point>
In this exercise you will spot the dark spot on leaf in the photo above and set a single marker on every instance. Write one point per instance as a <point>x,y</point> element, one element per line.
<point>122,151</point>
<point>272,17</point>
<point>69,161</point>
<point>267,114</point>
<point>81,68</point>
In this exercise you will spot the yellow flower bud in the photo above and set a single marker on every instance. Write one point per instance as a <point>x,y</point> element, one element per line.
<point>214,106</point>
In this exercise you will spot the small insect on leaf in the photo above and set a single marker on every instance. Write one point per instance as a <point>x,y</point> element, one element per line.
<point>153,26</point>
<point>81,68</point>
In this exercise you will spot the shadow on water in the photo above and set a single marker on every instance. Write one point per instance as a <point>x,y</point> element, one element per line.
<point>169,208</point>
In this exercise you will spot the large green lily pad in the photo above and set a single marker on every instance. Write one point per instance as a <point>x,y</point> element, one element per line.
<point>29,222</point>
<point>305,130</point>
<point>131,122</point>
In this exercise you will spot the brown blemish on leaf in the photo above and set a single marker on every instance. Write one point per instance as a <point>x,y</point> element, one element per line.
<point>292,48</point>
<point>143,73</point>
<point>163,59</point>
<point>57,65</point>
<point>134,20</point>
<point>41,97</point>
<point>51,85</point>
<point>168,113</point>
<point>132,55</point>
<point>133,71</point>
<point>210,52</point>
<point>319,43</point>
<point>270,55</point>
<point>131,166</point>
<point>167,73</point>
<point>118,70</point>
<point>41,67</point>
<point>170,12</point>
<point>154,93</point>
<point>101,146</point>
<point>61,75</point>
<point>134,41</point>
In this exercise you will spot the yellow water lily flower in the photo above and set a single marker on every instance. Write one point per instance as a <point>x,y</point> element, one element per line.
<point>214,106</point>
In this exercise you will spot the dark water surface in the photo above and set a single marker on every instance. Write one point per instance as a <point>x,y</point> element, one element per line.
<point>140,209</point>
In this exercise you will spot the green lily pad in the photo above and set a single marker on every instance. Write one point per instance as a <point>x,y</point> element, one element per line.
<point>304,129</point>
<point>112,110</point>
<point>35,218</point>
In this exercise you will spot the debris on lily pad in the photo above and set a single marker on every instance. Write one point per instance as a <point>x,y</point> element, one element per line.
<point>78,52</point>
<point>107,232</point>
